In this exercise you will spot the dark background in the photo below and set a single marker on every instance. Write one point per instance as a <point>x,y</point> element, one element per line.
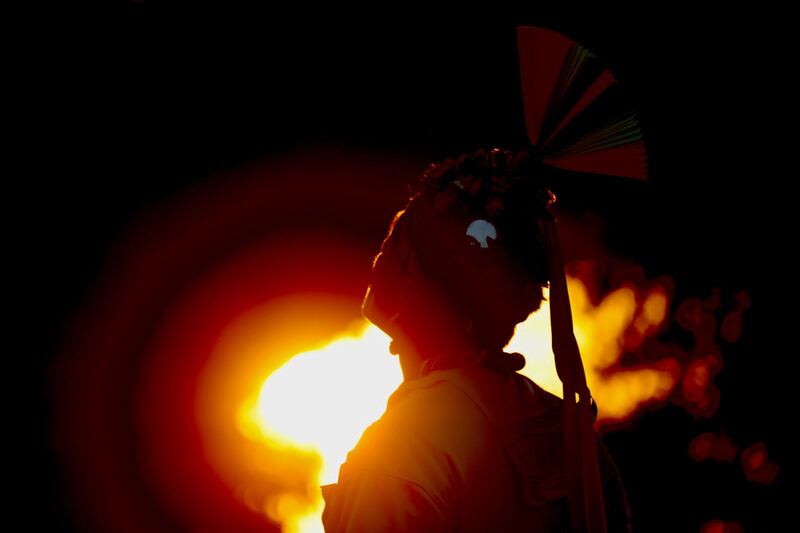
<point>131,106</point>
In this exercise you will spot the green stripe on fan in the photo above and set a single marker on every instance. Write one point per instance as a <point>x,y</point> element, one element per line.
<point>622,130</point>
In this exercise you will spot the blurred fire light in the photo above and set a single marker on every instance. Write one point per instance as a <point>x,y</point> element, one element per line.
<point>722,526</point>
<point>757,466</point>
<point>710,446</point>
<point>322,400</point>
<point>601,332</point>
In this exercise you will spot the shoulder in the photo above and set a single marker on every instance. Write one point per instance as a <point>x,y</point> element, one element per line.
<point>471,398</point>
<point>405,466</point>
<point>429,416</point>
<point>430,433</point>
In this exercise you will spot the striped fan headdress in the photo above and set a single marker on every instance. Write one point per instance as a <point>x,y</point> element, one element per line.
<point>576,114</point>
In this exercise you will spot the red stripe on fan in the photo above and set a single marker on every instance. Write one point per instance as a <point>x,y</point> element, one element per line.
<point>627,161</point>
<point>600,84</point>
<point>541,56</point>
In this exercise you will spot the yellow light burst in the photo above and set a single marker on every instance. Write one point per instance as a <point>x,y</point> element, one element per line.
<point>323,400</point>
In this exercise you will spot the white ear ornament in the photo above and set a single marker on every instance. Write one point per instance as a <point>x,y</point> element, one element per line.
<point>481,230</point>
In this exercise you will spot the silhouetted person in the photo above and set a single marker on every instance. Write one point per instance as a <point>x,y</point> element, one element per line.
<point>466,442</point>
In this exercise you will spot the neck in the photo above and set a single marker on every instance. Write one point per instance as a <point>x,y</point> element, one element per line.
<point>412,360</point>
<point>411,363</point>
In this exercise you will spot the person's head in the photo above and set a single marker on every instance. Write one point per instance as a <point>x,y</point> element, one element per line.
<point>464,262</point>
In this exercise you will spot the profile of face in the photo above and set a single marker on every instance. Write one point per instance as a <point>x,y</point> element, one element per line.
<point>444,279</point>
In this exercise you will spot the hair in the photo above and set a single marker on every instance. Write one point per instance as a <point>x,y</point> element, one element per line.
<point>498,176</point>
<point>431,279</point>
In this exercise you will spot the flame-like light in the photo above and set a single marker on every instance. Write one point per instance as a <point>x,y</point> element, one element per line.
<point>599,331</point>
<point>323,400</point>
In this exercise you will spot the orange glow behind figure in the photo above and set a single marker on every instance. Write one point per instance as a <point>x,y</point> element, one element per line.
<point>221,372</point>
<point>320,401</point>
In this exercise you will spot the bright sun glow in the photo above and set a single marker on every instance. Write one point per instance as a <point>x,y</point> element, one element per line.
<point>324,399</point>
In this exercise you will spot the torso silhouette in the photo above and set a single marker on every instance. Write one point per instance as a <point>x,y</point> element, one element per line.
<point>463,449</point>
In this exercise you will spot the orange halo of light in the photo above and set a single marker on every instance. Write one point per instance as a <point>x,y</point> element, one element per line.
<point>225,320</point>
<point>313,403</point>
